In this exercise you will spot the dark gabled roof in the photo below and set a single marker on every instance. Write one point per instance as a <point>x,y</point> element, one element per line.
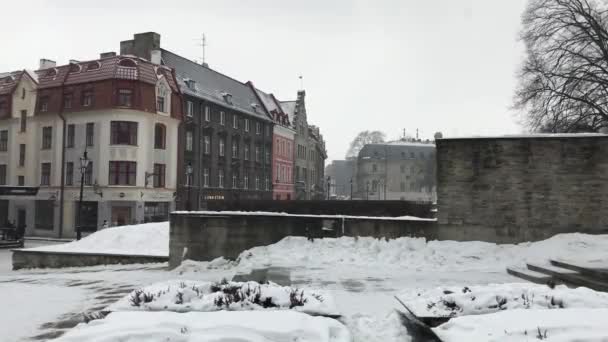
<point>103,69</point>
<point>8,81</point>
<point>213,86</point>
<point>395,149</point>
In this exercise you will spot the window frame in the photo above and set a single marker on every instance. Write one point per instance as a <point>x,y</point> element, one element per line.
<point>189,109</point>
<point>125,97</point>
<point>189,141</point>
<point>160,136</point>
<point>45,174</point>
<point>47,137</point>
<point>160,172</point>
<point>222,118</point>
<point>70,136</point>
<point>124,133</point>
<point>90,134</point>
<point>4,140</point>
<point>69,173</point>
<point>122,170</point>
<point>88,97</point>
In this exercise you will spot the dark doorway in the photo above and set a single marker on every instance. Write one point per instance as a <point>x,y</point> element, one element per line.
<point>21,214</point>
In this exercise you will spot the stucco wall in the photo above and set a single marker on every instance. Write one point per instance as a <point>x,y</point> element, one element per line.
<point>509,189</point>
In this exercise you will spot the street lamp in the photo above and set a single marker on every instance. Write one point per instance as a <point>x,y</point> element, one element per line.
<point>328,186</point>
<point>188,184</point>
<point>84,165</point>
<point>351,189</point>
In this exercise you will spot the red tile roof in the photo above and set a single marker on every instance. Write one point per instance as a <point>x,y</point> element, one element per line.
<point>115,67</point>
<point>8,81</point>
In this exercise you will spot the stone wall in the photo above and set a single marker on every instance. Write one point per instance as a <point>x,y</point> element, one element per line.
<point>38,259</point>
<point>206,236</point>
<point>522,189</point>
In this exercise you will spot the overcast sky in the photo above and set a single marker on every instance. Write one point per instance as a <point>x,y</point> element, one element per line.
<point>388,65</point>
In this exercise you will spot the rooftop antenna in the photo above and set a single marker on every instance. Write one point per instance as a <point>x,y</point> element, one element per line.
<point>301,82</point>
<point>416,133</point>
<point>203,44</point>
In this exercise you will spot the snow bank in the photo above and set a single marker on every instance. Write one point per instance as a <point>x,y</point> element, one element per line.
<point>475,300</point>
<point>224,326</point>
<point>143,239</point>
<point>186,296</point>
<point>419,254</point>
<point>525,325</point>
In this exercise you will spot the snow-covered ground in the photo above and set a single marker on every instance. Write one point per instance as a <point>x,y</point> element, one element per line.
<point>143,239</point>
<point>362,275</point>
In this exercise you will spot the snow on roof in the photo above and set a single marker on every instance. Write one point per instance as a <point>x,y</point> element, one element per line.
<point>532,136</point>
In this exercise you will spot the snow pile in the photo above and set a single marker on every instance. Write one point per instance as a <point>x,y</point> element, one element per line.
<point>475,300</point>
<point>528,325</point>
<point>150,239</point>
<point>186,296</point>
<point>419,254</point>
<point>225,326</point>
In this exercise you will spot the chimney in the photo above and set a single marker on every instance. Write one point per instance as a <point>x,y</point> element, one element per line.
<point>107,54</point>
<point>141,45</point>
<point>47,63</point>
<point>155,56</point>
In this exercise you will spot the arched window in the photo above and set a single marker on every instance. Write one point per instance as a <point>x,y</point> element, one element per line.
<point>93,66</point>
<point>127,63</point>
<point>75,68</point>
<point>51,72</point>
<point>159,136</point>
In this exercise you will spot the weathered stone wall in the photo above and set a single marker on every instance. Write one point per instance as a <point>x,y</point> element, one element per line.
<point>522,189</point>
<point>38,259</point>
<point>207,236</point>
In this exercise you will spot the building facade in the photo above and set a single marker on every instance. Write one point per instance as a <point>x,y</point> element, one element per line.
<point>341,175</point>
<point>401,170</point>
<point>226,135</point>
<point>309,152</point>
<point>125,113</point>
<point>282,147</point>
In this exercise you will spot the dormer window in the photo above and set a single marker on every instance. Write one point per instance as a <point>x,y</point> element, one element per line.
<point>255,107</point>
<point>74,68</point>
<point>163,96</point>
<point>127,62</point>
<point>51,72</point>
<point>125,97</point>
<point>93,66</point>
<point>227,97</point>
<point>190,83</point>
<point>160,104</point>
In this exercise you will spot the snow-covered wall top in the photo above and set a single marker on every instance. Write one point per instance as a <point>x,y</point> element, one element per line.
<point>265,213</point>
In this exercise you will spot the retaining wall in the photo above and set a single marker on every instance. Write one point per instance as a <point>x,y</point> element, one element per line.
<point>38,259</point>
<point>208,235</point>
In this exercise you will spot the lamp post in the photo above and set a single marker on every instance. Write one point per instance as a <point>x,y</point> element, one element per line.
<point>84,165</point>
<point>188,184</point>
<point>351,189</point>
<point>328,186</point>
<point>367,191</point>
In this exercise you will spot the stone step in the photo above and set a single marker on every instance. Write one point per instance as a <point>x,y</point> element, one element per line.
<point>583,269</point>
<point>531,276</point>
<point>570,277</point>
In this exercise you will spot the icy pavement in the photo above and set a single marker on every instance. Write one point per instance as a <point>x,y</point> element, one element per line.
<point>363,275</point>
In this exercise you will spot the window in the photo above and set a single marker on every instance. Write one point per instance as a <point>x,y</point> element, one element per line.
<point>189,141</point>
<point>246,152</point>
<point>88,174</point>
<point>222,118</point>
<point>257,154</point>
<point>45,174</point>
<point>160,104</point>
<point>123,133</point>
<point>3,140</point>
<point>402,168</point>
<point>374,185</point>
<point>374,168</point>
<point>257,182</point>
<point>90,133</point>
<point>267,184</point>
<point>156,211</point>
<point>235,180</point>
<point>258,128</point>
<point>23,120</point>
<point>246,182</point>
<point>267,155</point>
<point>412,155</point>
<point>246,125</point>
<point>70,135</point>
<point>267,130</point>
<point>43,104</point>
<point>87,98</point>
<point>235,149</point>
<point>222,147</point>
<point>20,180</point>
<point>402,186</point>
<point>159,136</point>
<point>22,93</point>
<point>3,108</point>
<point>207,114</point>
<point>235,121</point>
<point>220,178</point>
<point>279,173</point>
<point>67,101</point>
<point>69,173</point>
<point>3,174</point>
<point>21,154</point>
<point>159,175</point>
<point>45,214</point>
<point>125,97</point>
<point>47,137</point>
<point>206,144</point>
<point>189,108</point>
<point>122,173</point>
<point>206,177</point>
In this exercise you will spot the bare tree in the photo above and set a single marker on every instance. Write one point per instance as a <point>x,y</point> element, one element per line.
<point>563,82</point>
<point>362,139</point>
